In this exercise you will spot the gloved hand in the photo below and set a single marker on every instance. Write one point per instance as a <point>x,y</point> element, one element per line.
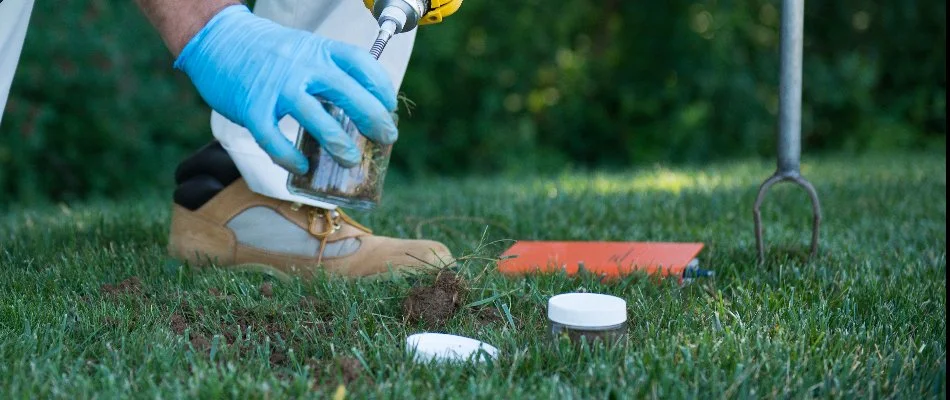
<point>254,72</point>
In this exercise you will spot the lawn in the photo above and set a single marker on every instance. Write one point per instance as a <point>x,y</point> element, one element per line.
<point>90,306</point>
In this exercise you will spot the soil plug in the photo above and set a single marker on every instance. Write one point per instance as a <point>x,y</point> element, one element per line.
<point>434,305</point>
<point>360,186</point>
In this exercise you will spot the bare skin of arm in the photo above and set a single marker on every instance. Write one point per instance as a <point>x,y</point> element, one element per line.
<point>177,21</point>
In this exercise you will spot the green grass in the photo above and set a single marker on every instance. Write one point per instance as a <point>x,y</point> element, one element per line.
<point>867,318</point>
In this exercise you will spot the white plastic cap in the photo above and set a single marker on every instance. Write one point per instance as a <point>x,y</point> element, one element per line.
<point>442,347</point>
<point>587,310</point>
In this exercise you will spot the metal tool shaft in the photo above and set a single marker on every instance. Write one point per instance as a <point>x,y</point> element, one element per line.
<point>387,29</point>
<point>379,45</point>
<point>790,122</point>
<point>790,86</point>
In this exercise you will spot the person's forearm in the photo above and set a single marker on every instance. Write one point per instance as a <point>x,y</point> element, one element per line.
<point>179,20</point>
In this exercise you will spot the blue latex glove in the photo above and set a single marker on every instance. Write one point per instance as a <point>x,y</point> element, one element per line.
<point>254,72</point>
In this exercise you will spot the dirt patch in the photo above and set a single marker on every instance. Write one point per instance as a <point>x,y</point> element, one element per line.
<point>350,369</point>
<point>183,321</point>
<point>267,290</point>
<point>200,342</point>
<point>268,324</point>
<point>435,305</point>
<point>220,294</point>
<point>318,310</point>
<point>185,317</point>
<point>179,323</point>
<point>318,326</point>
<point>245,330</point>
<point>278,359</point>
<point>246,326</point>
<point>343,370</point>
<point>488,316</point>
<point>131,286</point>
<point>310,303</point>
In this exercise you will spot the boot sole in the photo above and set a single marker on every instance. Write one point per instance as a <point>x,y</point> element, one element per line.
<point>284,277</point>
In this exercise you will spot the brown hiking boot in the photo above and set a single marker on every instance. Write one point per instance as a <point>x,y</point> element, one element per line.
<point>239,228</point>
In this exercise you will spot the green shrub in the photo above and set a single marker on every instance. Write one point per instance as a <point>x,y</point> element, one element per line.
<point>97,110</point>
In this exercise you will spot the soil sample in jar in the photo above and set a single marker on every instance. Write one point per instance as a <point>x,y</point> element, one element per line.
<point>358,187</point>
<point>588,317</point>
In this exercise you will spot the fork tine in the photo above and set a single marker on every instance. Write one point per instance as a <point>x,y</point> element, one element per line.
<point>815,212</point>
<point>815,206</point>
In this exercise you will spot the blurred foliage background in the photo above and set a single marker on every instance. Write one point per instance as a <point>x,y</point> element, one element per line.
<point>526,86</point>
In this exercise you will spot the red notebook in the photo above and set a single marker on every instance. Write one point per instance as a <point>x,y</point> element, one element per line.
<point>612,259</point>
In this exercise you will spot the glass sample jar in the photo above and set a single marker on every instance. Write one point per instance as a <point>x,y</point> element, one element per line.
<point>589,317</point>
<point>358,187</point>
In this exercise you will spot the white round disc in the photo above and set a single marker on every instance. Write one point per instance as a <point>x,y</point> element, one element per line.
<point>443,347</point>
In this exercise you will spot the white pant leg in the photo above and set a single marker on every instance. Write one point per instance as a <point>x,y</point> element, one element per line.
<point>14,17</point>
<point>346,21</point>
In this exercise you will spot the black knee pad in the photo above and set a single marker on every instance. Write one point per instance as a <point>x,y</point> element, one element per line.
<point>211,160</point>
<point>195,192</point>
<point>202,175</point>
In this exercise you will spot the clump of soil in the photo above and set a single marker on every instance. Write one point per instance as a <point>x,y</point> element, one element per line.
<point>131,286</point>
<point>220,294</point>
<point>179,323</point>
<point>265,325</point>
<point>183,320</point>
<point>200,342</point>
<point>317,311</point>
<point>488,316</point>
<point>247,329</point>
<point>435,305</point>
<point>349,369</point>
<point>278,359</point>
<point>267,290</point>
<point>362,183</point>
<point>310,304</point>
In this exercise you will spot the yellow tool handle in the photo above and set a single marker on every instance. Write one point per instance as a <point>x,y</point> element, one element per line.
<point>440,9</point>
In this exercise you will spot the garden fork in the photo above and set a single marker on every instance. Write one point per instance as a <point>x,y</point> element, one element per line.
<point>790,122</point>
